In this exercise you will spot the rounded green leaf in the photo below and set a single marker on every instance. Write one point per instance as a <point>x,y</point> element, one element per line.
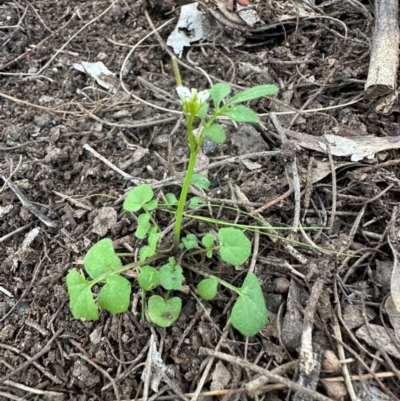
<point>115,295</point>
<point>171,199</point>
<point>208,240</point>
<point>152,205</point>
<point>207,288</point>
<point>249,314</point>
<point>195,202</point>
<point>235,246</point>
<point>200,181</point>
<point>143,225</point>
<point>164,312</point>
<point>146,252</point>
<point>149,278</point>
<point>171,277</point>
<point>81,302</point>
<point>101,258</point>
<point>215,132</point>
<point>241,114</point>
<point>137,197</point>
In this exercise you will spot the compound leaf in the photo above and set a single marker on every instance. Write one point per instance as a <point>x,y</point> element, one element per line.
<point>164,312</point>
<point>101,259</point>
<point>249,314</point>
<point>137,197</point>
<point>81,302</point>
<point>235,246</point>
<point>114,296</point>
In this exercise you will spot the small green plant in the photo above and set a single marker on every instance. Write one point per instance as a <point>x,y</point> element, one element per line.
<point>104,267</point>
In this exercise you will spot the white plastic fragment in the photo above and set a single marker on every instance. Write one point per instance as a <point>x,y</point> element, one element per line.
<point>100,73</point>
<point>189,29</point>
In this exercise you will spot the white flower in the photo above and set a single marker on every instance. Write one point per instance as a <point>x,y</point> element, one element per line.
<point>189,96</point>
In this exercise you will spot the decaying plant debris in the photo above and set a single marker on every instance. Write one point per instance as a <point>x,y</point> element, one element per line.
<point>324,154</point>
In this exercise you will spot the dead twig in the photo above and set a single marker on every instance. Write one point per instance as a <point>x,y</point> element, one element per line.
<point>272,376</point>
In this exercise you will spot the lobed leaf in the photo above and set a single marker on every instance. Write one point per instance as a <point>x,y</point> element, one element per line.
<point>249,314</point>
<point>164,312</point>
<point>115,295</point>
<point>235,246</point>
<point>137,197</point>
<point>190,241</point>
<point>101,259</point>
<point>171,277</point>
<point>81,302</point>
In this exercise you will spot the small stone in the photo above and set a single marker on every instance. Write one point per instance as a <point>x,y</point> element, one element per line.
<point>282,285</point>
<point>43,120</point>
<point>335,390</point>
<point>101,56</point>
<point>209,147</point>
<point>330,362</point>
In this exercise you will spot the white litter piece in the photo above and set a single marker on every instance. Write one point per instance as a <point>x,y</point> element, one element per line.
<point>158,369</point>
<point>248,15</point>
<point>251,165</point>
<point>188,29</point>
<point>100,73</point>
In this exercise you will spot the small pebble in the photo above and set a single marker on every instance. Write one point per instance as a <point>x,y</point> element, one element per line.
<point>209,147</point>
<point>330,362</point>
<point>22,307</point>
<point>282,285</point>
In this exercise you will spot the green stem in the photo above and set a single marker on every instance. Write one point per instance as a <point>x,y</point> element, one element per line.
<point>183,196</point>
<point>205,250</point>
<point>177,74</point>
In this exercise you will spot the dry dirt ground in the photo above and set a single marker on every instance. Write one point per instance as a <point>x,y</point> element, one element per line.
<point>50,111</point>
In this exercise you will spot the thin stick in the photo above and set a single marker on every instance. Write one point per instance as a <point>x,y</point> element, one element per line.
<point>43,351</point>
<point>272,376</point>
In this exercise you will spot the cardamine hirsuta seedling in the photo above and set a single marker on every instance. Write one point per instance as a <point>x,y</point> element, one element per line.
<point>158,271</point>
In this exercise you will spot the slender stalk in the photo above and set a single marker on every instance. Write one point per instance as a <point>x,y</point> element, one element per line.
<point>183,197</point>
